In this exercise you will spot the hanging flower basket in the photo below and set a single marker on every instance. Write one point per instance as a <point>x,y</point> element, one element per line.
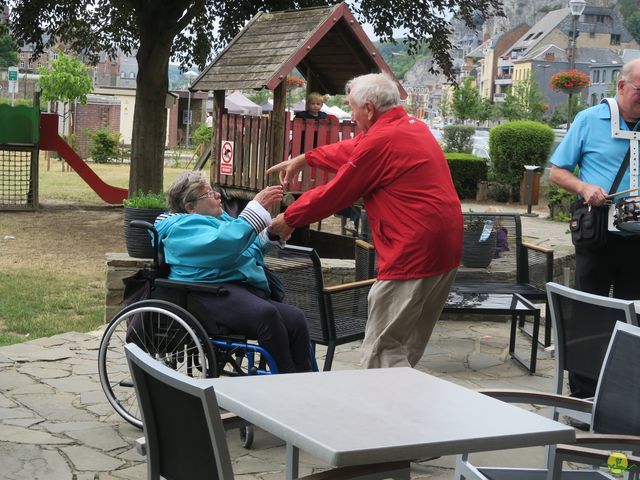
<point>569,81</point>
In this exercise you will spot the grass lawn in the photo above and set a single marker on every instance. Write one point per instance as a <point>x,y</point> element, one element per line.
<point>40,304</point>
<point>52,260</point>
<point>57,184</point>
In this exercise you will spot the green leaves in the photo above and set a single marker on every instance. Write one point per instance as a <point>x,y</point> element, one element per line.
<point>8,48</point>
<point>68,80</point>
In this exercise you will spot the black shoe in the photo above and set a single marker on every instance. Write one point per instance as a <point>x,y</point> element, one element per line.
<point>576,423</point>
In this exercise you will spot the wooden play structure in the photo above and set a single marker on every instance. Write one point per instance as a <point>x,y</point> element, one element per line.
<point>328,47</point>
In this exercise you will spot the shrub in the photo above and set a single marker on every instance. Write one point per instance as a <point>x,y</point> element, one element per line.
<point>458,138</point>
<point>202,135</point>
<point>466,170</point>
<point>145,200</point>
<point>105,145</point>
<point>516,144</point>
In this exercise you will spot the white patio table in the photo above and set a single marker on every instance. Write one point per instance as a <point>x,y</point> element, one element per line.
<point>358,417</point>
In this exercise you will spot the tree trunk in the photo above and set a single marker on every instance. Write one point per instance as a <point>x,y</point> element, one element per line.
<point>150,114</point>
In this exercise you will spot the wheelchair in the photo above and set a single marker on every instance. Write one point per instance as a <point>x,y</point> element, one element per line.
<point>165,323</point>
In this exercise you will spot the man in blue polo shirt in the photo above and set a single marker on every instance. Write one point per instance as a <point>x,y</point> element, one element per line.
<point>590,146</point>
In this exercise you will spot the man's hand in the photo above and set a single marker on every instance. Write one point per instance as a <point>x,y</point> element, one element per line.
<point>269,196</point>
<point>593,195</point>
<point>288,169</point>
<point>279,227</point>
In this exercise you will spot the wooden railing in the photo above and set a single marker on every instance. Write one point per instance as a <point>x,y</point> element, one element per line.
<point>245,153</point>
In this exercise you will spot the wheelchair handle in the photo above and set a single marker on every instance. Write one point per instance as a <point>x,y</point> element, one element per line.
<point>154,234</point>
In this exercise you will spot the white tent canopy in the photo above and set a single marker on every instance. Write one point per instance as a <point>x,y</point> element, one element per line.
<point>236,102</point>
<point>336,111</point>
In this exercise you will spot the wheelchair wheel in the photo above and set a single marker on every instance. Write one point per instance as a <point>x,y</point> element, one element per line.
<point>165,331</point>
<point>246,436</point>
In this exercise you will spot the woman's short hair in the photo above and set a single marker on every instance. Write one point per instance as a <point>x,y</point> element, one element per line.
<point>378,88</point>
<point>184,189</point>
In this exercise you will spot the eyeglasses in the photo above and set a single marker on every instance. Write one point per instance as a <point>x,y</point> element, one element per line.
<point>209,194</point>
<point>635,89</point>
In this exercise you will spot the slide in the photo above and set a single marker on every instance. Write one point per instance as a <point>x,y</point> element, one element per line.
<point>50,140</point>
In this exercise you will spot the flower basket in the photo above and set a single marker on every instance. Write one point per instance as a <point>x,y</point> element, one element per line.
<point>569,81</point>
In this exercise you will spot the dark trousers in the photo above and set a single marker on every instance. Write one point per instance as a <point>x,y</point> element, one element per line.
<point>279,328</point>
<point>612,268</point>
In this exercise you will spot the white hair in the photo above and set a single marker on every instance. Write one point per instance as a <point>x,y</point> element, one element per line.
<point>378,88</point>
<point>628,68</point>
<point>184,189</point>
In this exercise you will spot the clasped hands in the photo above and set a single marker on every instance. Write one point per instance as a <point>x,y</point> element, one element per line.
<point>286,170</point>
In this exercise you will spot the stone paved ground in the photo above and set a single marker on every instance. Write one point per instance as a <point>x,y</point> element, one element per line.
<point>55,422</point>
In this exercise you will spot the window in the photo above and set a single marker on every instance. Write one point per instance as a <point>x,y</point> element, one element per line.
<point>592,34</point>
<point>21,63</point>
<point>604,76</point>
<point>123,75</point>
<point>537,35</point>
<point>615,39</point>
<point>594,99</point>
<point>596,76</point>
<point>615,75</point>
<point>132,75</point>
<point>55,55</point>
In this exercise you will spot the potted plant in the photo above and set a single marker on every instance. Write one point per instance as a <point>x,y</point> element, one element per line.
<point>479,241</point>
<point>141,206</point>
<point>569,81</point>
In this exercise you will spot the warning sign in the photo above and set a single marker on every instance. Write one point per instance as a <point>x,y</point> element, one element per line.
<point>226,158</point>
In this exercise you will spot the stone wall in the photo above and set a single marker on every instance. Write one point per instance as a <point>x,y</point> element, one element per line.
<point>334,271</point>
<point>121,265</point>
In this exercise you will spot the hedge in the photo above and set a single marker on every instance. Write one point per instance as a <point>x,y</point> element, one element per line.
<point>516,144</point>
<point>466,170</point>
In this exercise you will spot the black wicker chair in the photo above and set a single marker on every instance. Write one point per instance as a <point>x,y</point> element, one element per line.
<point>337,314</point>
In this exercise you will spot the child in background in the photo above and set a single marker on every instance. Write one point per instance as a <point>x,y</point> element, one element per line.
<point>314,105</point>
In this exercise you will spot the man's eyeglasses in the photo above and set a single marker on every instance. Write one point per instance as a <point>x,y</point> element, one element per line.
<point>635,89</point>
<point>209,194</point>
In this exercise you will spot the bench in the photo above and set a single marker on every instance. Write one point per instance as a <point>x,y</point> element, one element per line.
<point>497,262</point>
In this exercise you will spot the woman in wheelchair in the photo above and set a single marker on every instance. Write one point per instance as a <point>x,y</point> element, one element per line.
<point>202,243</point>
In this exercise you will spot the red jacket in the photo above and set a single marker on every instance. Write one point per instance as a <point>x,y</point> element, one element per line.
<point>399,170</point>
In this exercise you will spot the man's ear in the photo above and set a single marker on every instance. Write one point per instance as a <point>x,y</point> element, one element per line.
<point>370,109</point>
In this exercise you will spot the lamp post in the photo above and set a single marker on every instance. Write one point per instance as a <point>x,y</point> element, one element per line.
<point>190,76</point>
<point>577,7</point>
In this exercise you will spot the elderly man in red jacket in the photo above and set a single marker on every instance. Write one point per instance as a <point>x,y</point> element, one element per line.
<point>399,170</point>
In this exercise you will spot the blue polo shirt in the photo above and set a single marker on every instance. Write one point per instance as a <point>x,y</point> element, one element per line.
<point>589,145</point>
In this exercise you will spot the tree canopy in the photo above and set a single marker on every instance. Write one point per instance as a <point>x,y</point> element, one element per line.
<point>465,100</point>
<point>8,48</point>
<point>67,80</point>
<point>192,31</point>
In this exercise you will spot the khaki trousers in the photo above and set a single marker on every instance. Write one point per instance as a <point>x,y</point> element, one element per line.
<point>402,314</point>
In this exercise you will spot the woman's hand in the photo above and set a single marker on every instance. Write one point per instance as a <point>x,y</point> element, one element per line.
<point>269,196</point>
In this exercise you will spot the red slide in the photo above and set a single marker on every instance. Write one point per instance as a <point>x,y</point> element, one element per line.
<point>50,140</point>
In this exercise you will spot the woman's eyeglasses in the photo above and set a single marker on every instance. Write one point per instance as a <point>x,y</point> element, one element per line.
<point>209,194</point>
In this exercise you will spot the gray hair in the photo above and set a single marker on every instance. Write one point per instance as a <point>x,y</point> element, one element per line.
<point>628,68</point>
<point>184,189</point>
<point>378,88</point>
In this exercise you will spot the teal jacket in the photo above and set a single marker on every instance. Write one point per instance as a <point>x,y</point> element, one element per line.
<point>201,248</point>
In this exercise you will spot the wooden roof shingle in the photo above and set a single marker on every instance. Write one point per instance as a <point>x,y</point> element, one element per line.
<point>326,42</point>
